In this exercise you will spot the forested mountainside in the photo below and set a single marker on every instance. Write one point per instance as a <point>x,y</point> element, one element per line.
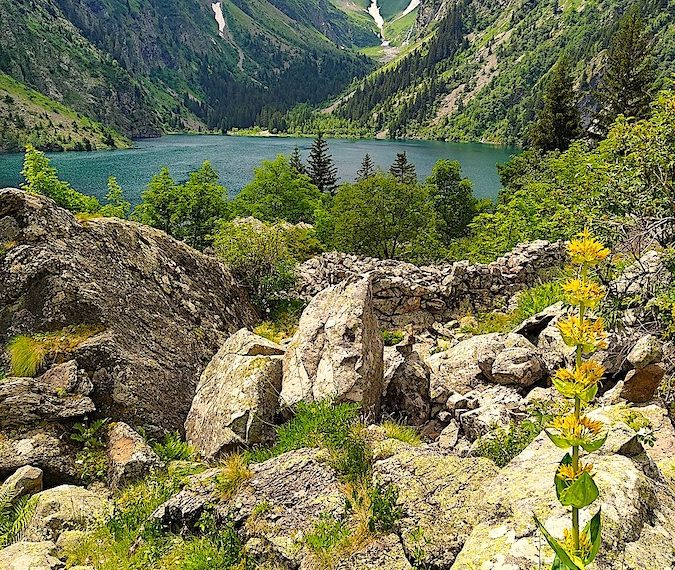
<point>151,66</point>
<point>479,70</point>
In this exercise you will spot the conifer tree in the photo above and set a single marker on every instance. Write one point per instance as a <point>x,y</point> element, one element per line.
<point>367,168</point>
<point>321,168</point>
<point>558,123</point>
<point>403,170</point>
<point>296,161</point>
<point>626,86</point>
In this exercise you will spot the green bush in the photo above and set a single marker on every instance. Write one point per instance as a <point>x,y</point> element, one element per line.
<point>392,338</point>
<point>503,444</point>
<point>91,460</point>
<point>173,448</point>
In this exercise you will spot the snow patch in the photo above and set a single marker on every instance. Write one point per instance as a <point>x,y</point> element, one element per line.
<point>218,13</point>
<point>374,11</point>
<point>412,6</point>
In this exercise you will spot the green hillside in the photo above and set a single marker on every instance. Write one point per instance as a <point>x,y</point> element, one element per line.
<point>28,117</point>
<point>480,75</point>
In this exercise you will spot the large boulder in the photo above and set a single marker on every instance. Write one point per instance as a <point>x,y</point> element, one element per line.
<point>163,308</point>
<point>61,393</point>
<point>63,508</point>
<point>440,497</point>
<point>406,385</point>
<point>30,556</point>
<point>638,511</point>
<point>25,481</point>
<point>640,385</point>
<point>385,552</point>
<point>129,457</point>
<point>338,350</point>
<point>237,396</point>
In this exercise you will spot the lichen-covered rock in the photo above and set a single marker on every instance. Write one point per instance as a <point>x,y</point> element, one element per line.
<point>638,514</point>
<point>164,307</point>
<point>62,508</point>
<point>45,448</point>
<point>283,500</point>
<point>30,556</point>
<point>640,385</point>
<point>406,385</point>
<point>237,396</point>
<point>129,457</point>
<point>338,350</point>
<point>519,365</point>
<point>440,497</point>
<point>383,553</point>
<point>25,481</point>
<point>61,393</point>
<point>647,350</point>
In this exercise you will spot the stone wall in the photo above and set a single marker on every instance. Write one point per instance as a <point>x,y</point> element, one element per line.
<point>407,294</point>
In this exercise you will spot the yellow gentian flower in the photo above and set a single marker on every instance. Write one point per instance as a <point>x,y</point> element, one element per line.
<point>588,293</point>
<point>586,250</point>
<point>589,334</point>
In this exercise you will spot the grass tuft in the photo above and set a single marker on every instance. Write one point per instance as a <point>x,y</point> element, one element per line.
<point>406,434</point>
<point>234,473</point>
<point>503,444</point>
<point>28,353</point>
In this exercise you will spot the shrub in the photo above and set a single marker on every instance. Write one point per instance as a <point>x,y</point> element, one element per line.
<point>503,444</point>
<point>173,448</point>
<point>286,317</point>
<point>92,460</point>
<point>28,353</point>
<point>407,434</point>
<point>234,473</point>
<point>392,338</point>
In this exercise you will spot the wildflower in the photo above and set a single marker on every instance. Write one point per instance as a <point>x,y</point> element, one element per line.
<point>589,373</point>
<point>582,292</point>
<point>586,250</point>
<point>584,544</point>
<point>567,472</point>
<point>589,334</point>
<point>577,431</point>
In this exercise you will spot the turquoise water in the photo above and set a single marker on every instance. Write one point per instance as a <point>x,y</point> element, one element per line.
<point>235,158</point>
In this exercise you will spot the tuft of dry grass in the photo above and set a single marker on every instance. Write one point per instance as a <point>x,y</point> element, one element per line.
<point>234,473</point>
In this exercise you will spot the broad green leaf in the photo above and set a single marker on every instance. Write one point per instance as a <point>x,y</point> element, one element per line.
<point>567,389</point>
<point>592,446</point>
<point>594,530</point>
<point>561,484</point>
<point>588,394</point>
<point>559,441</point>
<point>570,561</point>
<point>580,493</point>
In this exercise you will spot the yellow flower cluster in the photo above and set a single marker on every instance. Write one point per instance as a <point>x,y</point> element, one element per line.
<point>584,544</point>
<point>589,373</point>
<point>567,472</point>
<point>588,293</point>
<point>577,430</point>
<point>589,334</point>
<point>586,250</point>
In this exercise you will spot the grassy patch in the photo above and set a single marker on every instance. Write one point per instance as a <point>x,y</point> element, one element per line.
<point>173,448</point>
<point>403,433</point>
<point>503,444</point>
<point>530,302</point>
<point>91,460</point>
<point>392,338</point>
<point>334,427</point>
<point>29,353</point>
<point>234,473</point>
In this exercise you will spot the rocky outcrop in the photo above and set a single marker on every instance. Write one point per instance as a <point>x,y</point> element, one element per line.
<point>31,556</point>
<point>237,396</point>
<point>61,393</point>
<point>337,352</point>
<point>63,508</point>
<point>163,307</point>
<point>407,294</point>
<point>129,457</point>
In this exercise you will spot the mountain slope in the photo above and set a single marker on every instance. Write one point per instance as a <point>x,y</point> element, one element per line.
<point>146,66</point>
<point>479,76</point>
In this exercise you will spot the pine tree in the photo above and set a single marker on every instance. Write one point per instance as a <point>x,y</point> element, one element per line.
<point>296,161</point>
<point>367,169</point>
<point>321,169</point>
<point>626,87</point>
<point>558,123</point>
<point>403,170</point>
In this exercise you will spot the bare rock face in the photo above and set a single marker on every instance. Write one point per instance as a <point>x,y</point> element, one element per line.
<point>647,350</point>
<point>237,396</point>
<point>164,308</point>
<point>31,556</point>
<point>129,457</point>
<point>61,393</point>
<point>641,385</point>
<point>338,349</point>
<point>23,482</point>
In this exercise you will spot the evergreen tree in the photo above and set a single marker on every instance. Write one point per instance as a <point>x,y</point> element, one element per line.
<point>321,169</point>
<point>295,161</point>
<point>558,123</point>
<point>626,86</point>
<point>367,169</point>
<point>403,170</point>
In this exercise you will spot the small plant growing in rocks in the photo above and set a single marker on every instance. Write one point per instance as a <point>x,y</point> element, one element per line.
<point>575,431</point>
